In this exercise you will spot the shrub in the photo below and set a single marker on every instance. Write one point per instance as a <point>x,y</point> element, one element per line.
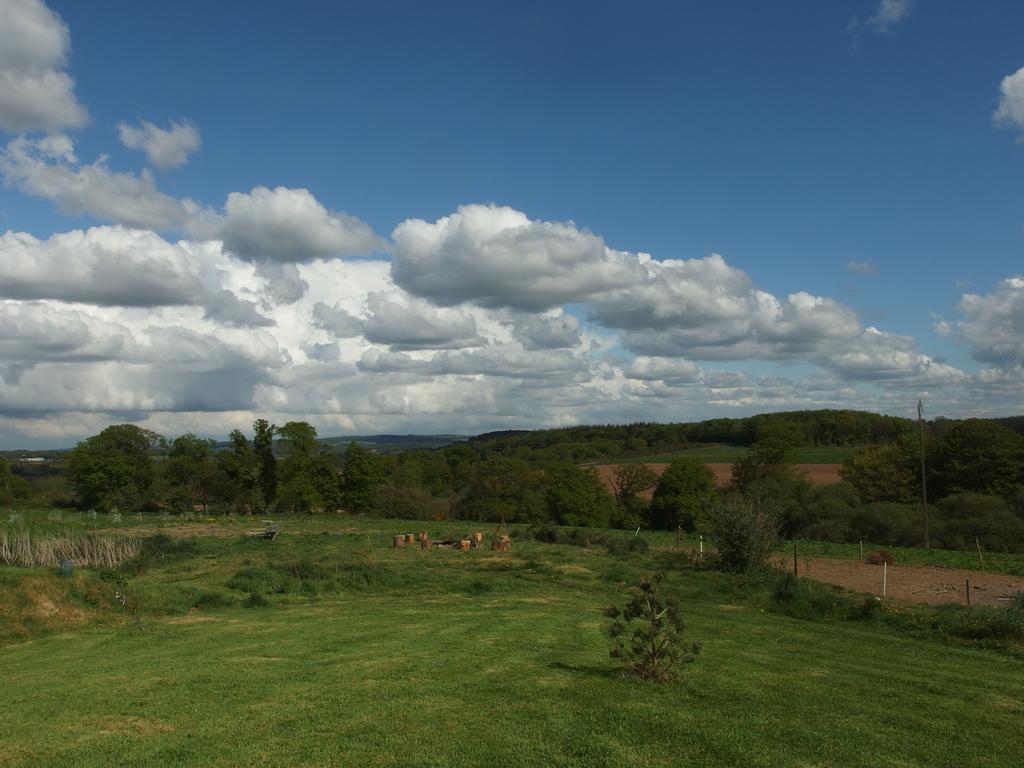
<point>207,599</point>
<point>551,534</point>
<point>744,534</point>
<point>627,545</point>
<point>647,634</point>
<point>966,517</point>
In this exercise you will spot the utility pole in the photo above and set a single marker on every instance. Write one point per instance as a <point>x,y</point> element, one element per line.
<point>924,487</point>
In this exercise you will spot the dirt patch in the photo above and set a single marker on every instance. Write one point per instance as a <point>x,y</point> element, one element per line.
<point>913,583</point>
<point>816,474</point>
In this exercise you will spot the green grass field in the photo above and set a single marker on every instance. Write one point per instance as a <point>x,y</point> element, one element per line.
<point>367,655</point>
<point>729,454</point>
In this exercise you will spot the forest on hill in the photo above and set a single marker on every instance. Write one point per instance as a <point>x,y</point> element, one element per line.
<point>830,428</point>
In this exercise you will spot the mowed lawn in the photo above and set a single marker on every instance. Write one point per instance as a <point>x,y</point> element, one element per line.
<point>488,659</point>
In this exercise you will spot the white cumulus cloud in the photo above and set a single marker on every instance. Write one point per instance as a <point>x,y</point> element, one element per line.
<point>35,91</point>
<point>1010,112</point>
<point>496,256</point>
<point>993,324</point>
<point>47,168</point>
<point>291,226</point>
<point>165,147</point>
<point>103,265</point>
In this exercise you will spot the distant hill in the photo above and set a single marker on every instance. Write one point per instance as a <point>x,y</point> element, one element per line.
<point>394,443</point>
<point>380,443</point>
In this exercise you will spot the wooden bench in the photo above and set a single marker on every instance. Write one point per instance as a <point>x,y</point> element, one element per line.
<point>267,532</point>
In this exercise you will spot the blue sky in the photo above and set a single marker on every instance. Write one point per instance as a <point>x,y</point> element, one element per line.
<point>844,150</point>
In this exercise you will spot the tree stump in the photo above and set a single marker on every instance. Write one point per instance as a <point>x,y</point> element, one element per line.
<point>410,538</point>
<point>398,541</point>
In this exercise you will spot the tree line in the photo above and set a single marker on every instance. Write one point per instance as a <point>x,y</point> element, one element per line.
<point>975,479</point>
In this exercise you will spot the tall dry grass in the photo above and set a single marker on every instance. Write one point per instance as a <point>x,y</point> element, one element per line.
<point>23,548</point>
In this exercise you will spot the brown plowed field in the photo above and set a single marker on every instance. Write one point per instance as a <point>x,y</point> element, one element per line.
<point>914,583</point>
<point>817,474</point>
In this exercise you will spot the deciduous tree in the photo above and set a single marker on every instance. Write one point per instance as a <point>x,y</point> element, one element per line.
<point>115,468</point>
<point>685,488</point>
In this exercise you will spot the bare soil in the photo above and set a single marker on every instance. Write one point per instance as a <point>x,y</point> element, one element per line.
<point>913,583</point>
<point>816,474</point>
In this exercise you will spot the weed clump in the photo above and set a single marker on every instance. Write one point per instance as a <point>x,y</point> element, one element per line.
<point>627,545</point>
<point>308,578</point>
<point>207,599</point>
<point>647,634</point>
<point>157,548</point>
<point>986,623</point>
<point>581,537</point>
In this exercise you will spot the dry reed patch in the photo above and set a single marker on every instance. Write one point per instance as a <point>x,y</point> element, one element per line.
<point>27,549</point>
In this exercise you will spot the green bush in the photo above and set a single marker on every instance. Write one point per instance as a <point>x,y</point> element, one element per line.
<point>744,534</point>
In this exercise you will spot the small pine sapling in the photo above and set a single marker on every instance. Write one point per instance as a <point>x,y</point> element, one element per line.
<point>647,634</point>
